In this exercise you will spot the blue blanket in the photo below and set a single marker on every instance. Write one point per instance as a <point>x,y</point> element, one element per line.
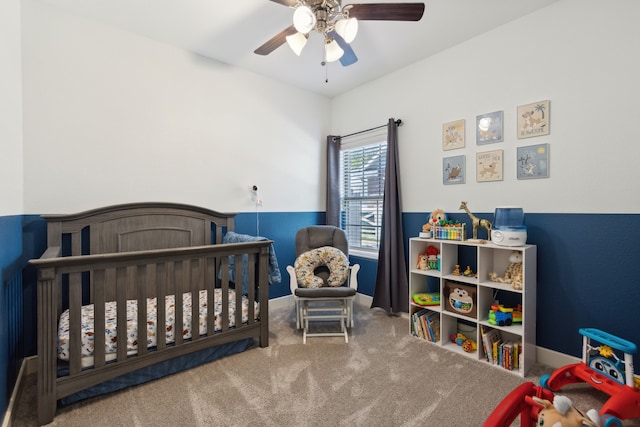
<point>274,270</point>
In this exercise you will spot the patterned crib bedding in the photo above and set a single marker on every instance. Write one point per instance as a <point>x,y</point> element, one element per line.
<point>132,323</point>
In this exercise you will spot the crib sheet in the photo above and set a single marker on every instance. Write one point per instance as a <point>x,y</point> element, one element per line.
<point>132,323</point>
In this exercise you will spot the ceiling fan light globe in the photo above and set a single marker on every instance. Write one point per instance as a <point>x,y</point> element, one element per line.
<point>332,51</point>
<point>304,19</point>
<point>297,42</point>
<point>347,29</point>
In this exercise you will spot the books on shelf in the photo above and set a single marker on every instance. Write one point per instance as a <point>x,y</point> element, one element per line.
<point>426,325</point>
<point>500,352</point>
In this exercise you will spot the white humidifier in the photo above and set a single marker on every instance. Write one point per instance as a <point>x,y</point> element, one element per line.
<point>508,227</point>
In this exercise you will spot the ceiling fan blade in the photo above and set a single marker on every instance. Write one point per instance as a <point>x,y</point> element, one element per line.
<point>289,3</point>
<point>348,57</point>
<point>386,11</point>
<point>276,41</point>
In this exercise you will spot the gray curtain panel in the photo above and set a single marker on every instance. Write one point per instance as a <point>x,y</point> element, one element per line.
<point>391,291</point>
<point>333,181</point>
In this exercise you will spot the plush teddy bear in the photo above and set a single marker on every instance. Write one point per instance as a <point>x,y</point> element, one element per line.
<point>434,218</point>
<point>562,413</point>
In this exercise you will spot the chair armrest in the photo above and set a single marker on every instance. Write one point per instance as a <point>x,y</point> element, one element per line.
<point>353,276</point>
<point>293,282</point>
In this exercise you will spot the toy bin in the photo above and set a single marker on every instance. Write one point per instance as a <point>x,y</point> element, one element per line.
<point>461,299</point>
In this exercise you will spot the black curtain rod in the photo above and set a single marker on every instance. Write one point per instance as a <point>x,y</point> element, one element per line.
<point>398,123</point>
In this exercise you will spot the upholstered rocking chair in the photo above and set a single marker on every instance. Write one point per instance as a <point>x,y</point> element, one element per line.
<point>322,282</point>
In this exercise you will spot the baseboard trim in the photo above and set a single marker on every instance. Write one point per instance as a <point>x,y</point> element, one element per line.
<point>29,365</point>
<point>554,359</point>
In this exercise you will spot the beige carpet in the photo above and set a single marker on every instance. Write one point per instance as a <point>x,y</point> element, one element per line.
<point>382,377</point>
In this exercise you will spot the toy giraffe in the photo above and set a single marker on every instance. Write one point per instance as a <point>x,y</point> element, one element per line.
<point>477,222</point>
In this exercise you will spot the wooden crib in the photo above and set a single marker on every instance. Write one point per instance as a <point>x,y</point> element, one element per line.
<point>142,255</point>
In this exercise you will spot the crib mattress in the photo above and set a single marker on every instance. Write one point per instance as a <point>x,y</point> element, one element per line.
<point>152,327</point>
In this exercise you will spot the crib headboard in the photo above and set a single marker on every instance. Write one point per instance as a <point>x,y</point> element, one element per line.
<point>137,226</point>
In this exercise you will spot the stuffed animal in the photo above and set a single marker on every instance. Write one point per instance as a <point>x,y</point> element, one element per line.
<point>513,273</point>
<point>423,262</point>
<point>562,413</point>
<point>434,218</point>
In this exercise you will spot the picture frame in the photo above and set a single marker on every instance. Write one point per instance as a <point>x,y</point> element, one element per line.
<point>489,128</point>
<point>453,170</point>
<point>489,166</point>
<point>534,119</point>
<point>533,161</point>
<point>453,135</point>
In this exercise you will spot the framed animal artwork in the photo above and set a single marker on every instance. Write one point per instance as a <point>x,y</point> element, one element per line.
<point>533,119</point>
<point>533,161</point>
<point>489,166</point>
<point>453,170</point>
<point>453,135</point>
<point>489,128</point>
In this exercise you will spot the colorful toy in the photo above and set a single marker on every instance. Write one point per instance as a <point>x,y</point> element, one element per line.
<point>430,298</point>
<point>456,271</point>
<point>432,257</point>
<point>467,344</point>
<point>499,315</point>
<point>605,371</point>
<point>534,406</point>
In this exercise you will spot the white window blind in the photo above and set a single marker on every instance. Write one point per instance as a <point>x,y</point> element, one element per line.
<point>362,170</point>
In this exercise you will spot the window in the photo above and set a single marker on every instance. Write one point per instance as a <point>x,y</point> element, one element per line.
<point>362,170</point>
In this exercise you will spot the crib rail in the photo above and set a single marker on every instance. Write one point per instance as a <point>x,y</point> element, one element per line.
<point>140,275</point>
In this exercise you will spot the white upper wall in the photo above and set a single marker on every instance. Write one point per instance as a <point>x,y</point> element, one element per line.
<point>10,109</point>
<point>112,117</point>
<point>582,55</point>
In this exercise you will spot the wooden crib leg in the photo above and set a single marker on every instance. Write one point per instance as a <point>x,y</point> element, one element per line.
<point>47,335</point>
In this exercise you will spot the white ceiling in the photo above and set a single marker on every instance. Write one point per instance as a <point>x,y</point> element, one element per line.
<point>229,32</point>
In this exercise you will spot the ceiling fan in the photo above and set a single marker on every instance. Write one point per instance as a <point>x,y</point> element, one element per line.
<point>336,23</point>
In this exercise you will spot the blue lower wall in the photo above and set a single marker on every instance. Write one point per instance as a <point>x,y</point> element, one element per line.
<point>587,275</point>
<point>10,256</point>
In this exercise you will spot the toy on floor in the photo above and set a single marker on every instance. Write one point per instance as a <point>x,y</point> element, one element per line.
<point>605,371</point>
<point>537,406</point>
<point>562,413</point>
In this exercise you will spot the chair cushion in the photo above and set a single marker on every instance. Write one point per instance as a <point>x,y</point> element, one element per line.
<point>333,258</point>
<point>326,292</point>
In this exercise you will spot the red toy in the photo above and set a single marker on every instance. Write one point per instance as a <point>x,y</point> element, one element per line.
<point>603,370</point>
<point>519,402</point>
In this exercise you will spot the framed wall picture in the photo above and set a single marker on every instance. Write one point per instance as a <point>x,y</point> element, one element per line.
<point>453,170</point>
<point>533,161</point>
<point>533,119</point>
<point>489,128</point>
<point>453,135</point>
<point>489,166</point>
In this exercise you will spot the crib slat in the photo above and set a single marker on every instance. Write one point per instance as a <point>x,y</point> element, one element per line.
<point>142,306</point>
<point>179,326</point>
<point>121,302</point>
<point>75,322</point>
<point>161,292</point>
<point>210,282</point>
<point>251,279</point>
<point>240,280</point>
<point>192,278</point>
<point>98,284</point>
<point>224,320</point>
